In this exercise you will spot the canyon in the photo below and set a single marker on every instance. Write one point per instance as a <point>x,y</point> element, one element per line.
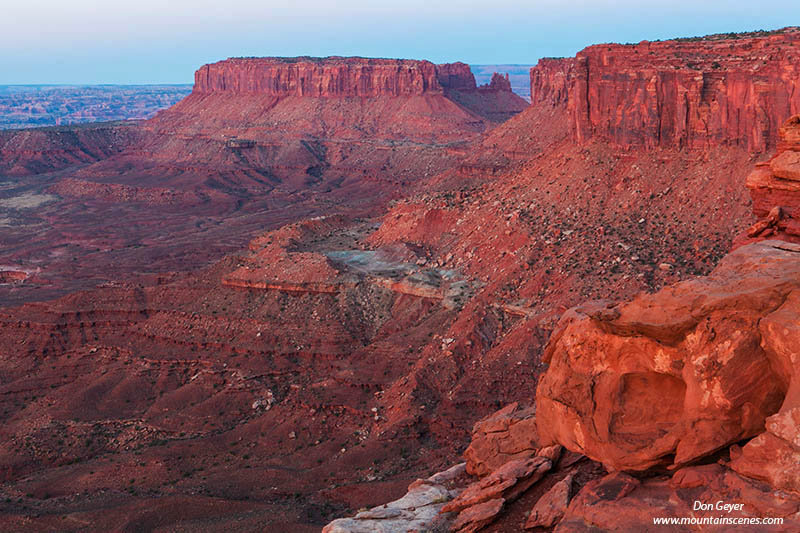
<point>297,290</point>
<point>229,166</point>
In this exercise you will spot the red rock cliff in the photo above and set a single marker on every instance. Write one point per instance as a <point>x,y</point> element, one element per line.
<point>689,93</point>
<point>319,77</point>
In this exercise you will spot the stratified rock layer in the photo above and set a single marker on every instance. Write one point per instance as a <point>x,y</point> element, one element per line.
<point>320,77</point>
<point>688,93</point>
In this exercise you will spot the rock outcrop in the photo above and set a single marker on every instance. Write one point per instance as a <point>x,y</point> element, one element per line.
<point>506,435</point>
<point>498,82</point>
<point>480,503</point>
<point>775,188</point>
<point>418,510</point>
<point>674,376</point>
<point>685,93</point>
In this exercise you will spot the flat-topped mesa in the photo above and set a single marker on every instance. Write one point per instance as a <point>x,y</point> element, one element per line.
<point>319,77</point>
<point>687,93</point>
<point>455,76</point>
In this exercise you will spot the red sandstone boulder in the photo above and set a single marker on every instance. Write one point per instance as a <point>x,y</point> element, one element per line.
<point>786,165</point>
<point>501,437</point>
<point>476,517</point>
<point>673,376</point>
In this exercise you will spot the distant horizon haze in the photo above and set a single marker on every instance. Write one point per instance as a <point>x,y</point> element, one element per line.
<point>88,42</point>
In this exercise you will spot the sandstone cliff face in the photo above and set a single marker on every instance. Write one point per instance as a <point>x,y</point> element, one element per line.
<point>322,77</point>
<point>692,93</point>
<point>337,77</point>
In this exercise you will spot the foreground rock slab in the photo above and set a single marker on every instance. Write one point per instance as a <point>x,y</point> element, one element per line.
<point>501,437</point>
<point>550,508</point>
<point>482,501</point>
<point>677,375</point>
<point>418,510</point>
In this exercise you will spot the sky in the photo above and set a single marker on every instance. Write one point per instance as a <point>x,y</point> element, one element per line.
<point>165,41</point>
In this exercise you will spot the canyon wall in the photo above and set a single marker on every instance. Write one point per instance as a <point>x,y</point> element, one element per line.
<point>321,77</point>
<point>687,93</point>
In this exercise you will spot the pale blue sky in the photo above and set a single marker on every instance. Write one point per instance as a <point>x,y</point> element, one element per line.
<point>164,41</point>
